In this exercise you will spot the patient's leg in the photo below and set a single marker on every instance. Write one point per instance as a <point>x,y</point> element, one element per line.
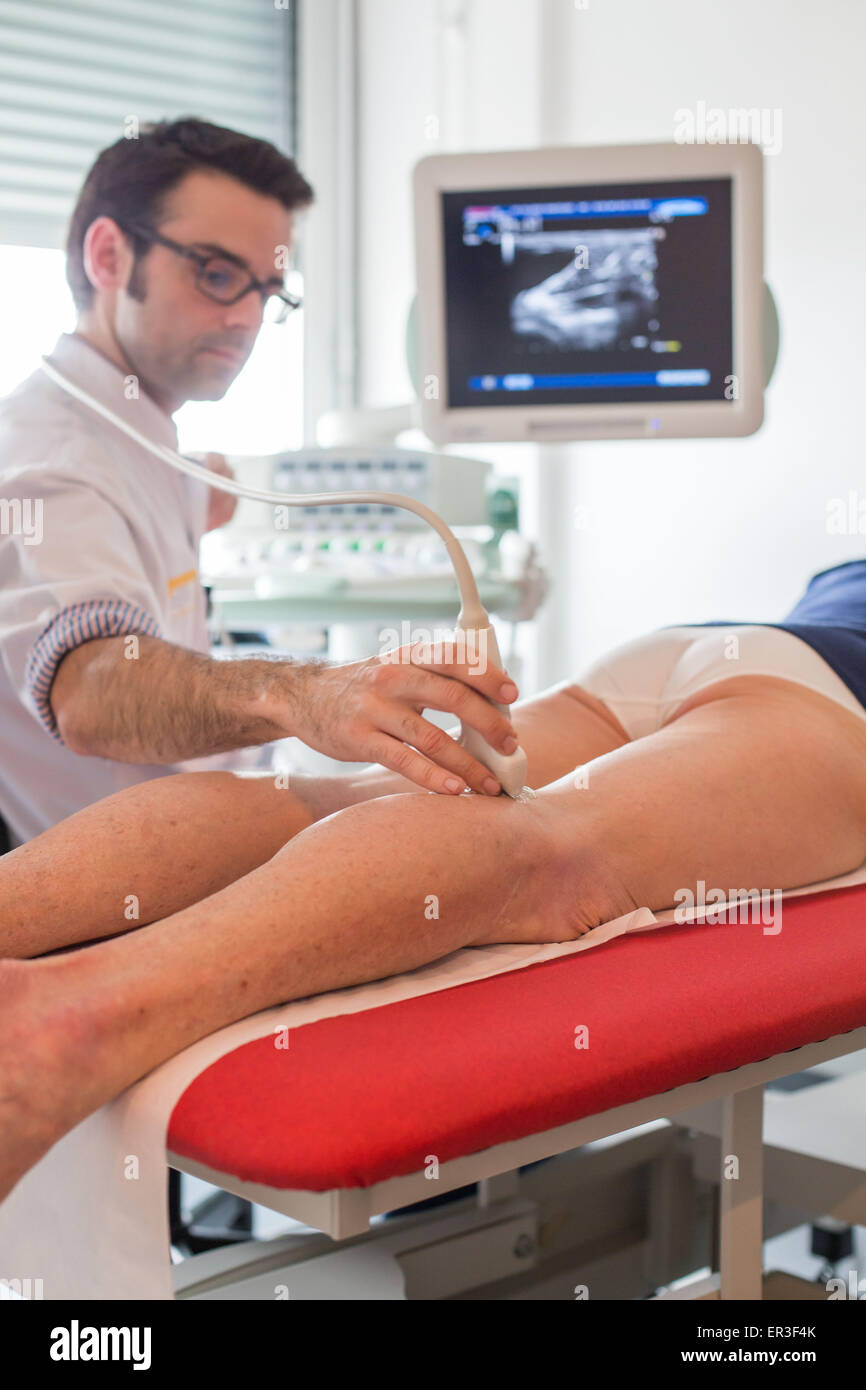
<point>755,782</point>
<point>760,786</point>
<point>151,850</point>
<point>376,889</point>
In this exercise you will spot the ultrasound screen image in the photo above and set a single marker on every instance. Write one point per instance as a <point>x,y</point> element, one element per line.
<point>605,292</point>
<point>595,294</point>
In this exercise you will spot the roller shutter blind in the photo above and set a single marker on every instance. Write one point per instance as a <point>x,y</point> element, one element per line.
<point>74,73</point>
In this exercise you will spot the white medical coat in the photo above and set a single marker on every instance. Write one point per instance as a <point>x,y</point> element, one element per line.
<point>98,538</point>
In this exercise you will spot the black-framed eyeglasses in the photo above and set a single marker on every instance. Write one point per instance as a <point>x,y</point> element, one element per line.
<point>223,277</point>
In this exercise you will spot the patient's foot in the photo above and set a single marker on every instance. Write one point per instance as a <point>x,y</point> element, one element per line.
<point>47,1065</point>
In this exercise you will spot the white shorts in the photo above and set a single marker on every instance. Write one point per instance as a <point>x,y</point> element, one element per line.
<point>643,682</point>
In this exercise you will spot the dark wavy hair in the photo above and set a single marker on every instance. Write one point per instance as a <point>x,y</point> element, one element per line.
<point>130,179</point>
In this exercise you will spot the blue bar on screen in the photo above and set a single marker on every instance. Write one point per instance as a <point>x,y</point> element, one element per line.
<point>588,381</point>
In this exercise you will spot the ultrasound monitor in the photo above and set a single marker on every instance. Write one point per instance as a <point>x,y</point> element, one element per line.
<point>587,293</point>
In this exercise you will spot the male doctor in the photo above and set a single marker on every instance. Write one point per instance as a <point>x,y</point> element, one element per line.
<point>105,676</point>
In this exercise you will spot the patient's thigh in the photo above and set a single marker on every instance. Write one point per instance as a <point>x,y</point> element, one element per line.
<point>563,728</point>
<point>758,783</point>
<point>557,730</point>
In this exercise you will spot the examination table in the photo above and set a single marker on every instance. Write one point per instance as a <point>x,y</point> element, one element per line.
<point>365,1113</point>
<point>614,1058</point>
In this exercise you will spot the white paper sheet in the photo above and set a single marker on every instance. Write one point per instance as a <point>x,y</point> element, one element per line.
<point>90,1220</point>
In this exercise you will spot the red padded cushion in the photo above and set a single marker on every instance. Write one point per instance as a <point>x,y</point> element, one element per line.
<point>365,1097</point>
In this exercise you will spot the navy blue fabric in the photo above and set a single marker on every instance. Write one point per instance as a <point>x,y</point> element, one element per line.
<point>831,618</point>
<point>836,597</point>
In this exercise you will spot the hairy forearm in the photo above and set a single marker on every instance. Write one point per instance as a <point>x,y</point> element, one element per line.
<point>165,704</point>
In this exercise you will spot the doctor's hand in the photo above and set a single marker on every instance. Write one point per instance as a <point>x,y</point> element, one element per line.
<point>372,711</point>
<point>221,506</point>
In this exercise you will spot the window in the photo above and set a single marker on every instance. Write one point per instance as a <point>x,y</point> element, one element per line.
<point>37,307</point>
<point>73,75</point>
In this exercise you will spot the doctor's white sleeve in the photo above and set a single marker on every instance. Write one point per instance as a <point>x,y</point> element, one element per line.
<point>69,572</point>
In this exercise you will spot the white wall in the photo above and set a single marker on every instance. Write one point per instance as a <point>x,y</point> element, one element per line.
<point>436,76</point>
<point>733,529</point>
<point>671,531</point>
<point>427,85</point>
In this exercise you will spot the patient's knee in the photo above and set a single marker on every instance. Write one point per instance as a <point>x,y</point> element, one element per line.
<point>605,894</point>
<point>583,884</point>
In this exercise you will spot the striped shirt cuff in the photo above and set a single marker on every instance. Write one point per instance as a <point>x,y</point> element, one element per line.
<point>71,628</point>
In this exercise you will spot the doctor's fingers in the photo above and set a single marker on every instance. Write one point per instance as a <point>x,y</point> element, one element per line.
<point>462,659</point>
<point>420,687</point>
<point>410,745</point>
